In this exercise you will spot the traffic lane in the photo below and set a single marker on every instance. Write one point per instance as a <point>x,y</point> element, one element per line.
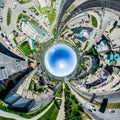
<point>106,115</point>
<point>112,4</point>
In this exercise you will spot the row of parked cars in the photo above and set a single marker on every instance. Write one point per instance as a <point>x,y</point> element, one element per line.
<point>1,7</point>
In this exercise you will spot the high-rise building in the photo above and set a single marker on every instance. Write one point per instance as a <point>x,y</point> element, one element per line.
<point>10,63</point>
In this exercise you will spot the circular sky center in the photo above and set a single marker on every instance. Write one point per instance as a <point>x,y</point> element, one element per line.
<point>60,60</point>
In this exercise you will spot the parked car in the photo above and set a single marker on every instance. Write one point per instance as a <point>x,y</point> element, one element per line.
<point>14,5</point>
<point>90,110</point>
<point>112,111</point>
<point>2,35</point>
<point>1,19</point>
<point>24,11</point>
<point>1,5</point>
<point>112,77</point>
<point>93,107</point>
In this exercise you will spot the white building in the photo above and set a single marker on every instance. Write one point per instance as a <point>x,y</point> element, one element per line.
<point>44,3</point>
<point>32,30</point>
<point>102,46</point>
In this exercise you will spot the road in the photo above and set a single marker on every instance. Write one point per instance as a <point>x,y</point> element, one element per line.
<point>112,97</point>
<point>61,114</point>
<point>112,4</point>
<point>96,114</point>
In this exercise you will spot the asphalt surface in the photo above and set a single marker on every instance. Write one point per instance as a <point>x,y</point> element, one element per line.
<point>64,6</point>
<point>112,97</point>
<point>112,4</point>
<point>97,115</point>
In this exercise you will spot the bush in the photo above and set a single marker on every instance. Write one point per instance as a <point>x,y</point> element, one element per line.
<point>9,16</point>
<point>94,21</point>
<point>73,97</point>
<point>80,107</point>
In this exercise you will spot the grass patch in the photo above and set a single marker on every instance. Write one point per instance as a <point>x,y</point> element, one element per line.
<point>34,22</point>
<point>31,87</point>
<point>24,1</point>
<point>86,45</point>
<point>25,48</point>
<point>9,13</point>
<point>32,9</point>
<point>59,93</point>
<point>54,31</point>
<point>118,26</point>
<point>111,30</point>
<point>5,118</point>
<point>15,41</point>
<point>22,16</point>
<point>114,105</point>
<point>51,114</point>
<point>28,18</point>
<point>71,8</point>
<point>65,29</point>
<point>92,51</point>
<point>94,21</point>
<point>49,11</point>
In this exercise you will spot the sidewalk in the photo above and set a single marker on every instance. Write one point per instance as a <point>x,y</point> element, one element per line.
<point>61,114</point>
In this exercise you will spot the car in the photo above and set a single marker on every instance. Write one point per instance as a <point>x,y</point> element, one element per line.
<point>14,5</point>
<point>1,5</point>
<point>112,111</point>
<point>6,37</point>
<point>9,48</point>
<point>34,11</point>
<point>1,19</point>
<point>93,107</point>
<point>37,14</point>
<point>24,11</point>
<point>112,77</point>
<point>2,35</point>
<point>112,86</point>
<point>90,110</point>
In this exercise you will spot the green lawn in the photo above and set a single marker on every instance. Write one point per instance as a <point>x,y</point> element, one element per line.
<point>92,51</point>
<point>49,11</point>
<point>65,29</point>
<point>51,113</point>
<point>86,45</point>
<point>118,26</point>
<point>5,118</point>
<point>22,16</point>
<point>59,93</point>
<point>111,30</point>
<point>54,31</point>
<point>94,21</point>
<point>9,16</point>
<point>24,1</point>
<point>25,48</point>
<point>31,87</point>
